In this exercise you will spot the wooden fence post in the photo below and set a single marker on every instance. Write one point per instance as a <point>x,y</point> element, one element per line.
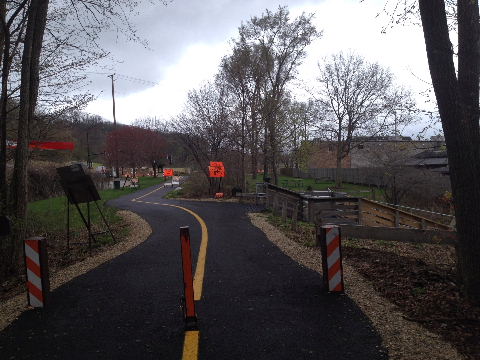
<point>284,210</point>
<point>360,210</point>
<point>295,216</point>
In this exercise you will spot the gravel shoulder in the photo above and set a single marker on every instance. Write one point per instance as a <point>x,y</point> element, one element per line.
<point>403,339</point>
<point>139,232</point>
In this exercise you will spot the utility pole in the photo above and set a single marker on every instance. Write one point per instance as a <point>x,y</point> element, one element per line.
<point>89,160</point>
<point>117,172</point>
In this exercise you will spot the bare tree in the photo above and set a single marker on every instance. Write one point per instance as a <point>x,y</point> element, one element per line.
<point>298,128</point>
<point>281,45</point>
<point>98,15</point>
<point>358,98</point>
<point>457,94</point>
<point>152,123</point>
<point>13,20</point>
<point>203,126</point>
<point>136,147</point>
<point>238,73</point>
<point>37,17</point>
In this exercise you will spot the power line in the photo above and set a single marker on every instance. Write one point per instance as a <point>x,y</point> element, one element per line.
<point>126,78</point>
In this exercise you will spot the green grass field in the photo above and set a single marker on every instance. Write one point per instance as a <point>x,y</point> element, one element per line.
<point>50,215</point>
<point>297,184</point>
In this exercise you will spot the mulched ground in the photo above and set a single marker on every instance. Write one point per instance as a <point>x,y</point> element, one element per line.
<point>421,280</point>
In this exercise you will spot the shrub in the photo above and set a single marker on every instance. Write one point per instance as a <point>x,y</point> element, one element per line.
<point>196,185</point>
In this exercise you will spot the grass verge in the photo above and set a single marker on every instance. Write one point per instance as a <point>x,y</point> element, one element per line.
<point>299,231</point>
<point>298,184</point>
<point>48,218</point>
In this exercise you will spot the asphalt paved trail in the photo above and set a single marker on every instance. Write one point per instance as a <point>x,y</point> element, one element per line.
<point>257,303</point>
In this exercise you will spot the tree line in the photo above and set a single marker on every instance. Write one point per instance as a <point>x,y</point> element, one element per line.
<point>246,106</point>
<point>252,107</point>
<point>46,47</point>
<point>249,108</point>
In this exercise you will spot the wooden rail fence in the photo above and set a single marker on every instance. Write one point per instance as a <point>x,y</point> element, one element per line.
<point>374,214</point>
<point>439,237</point>
<point>284,202</point>
<point>357,217</point>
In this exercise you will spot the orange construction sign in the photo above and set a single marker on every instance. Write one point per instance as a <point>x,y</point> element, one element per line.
<point>216,169</point>
<point>167,172</point>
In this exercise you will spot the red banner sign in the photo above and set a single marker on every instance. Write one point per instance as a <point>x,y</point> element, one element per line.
<point>216,169</point>
<point>167,172</point>
<point>45,145</point>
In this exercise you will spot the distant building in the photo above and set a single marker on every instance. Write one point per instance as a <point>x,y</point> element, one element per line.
<point>324,155</point>
<point>382,151</point>
<point>435,160</point>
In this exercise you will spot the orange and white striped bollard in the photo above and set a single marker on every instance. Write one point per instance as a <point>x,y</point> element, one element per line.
<point>330,244</point>
<point>36,262</point>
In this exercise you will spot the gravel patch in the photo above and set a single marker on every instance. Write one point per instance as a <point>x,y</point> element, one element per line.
<point>139,231</point>
<point>402,338</point>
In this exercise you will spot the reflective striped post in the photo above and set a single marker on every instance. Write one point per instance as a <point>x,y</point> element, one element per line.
<point>36,262</point>
<point>330,245</point>
<point>189,305</point>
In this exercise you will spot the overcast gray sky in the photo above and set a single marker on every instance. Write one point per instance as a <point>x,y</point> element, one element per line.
<point>188,38</point>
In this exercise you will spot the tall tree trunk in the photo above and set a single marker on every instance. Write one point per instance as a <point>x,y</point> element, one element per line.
<point>254,145</point>
<point>37,15</point>
<point>254,164</point>
<point>3,121</point>
<point>4,32</point>
<point>338,172</point>
<point>265,154</point>
<point>6,248</point>
<point>243,177</point>
<point>154,167</point>
<point>273,151</point>
<point>457,101</point>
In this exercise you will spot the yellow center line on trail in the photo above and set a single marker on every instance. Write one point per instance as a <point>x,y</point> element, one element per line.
<point>190,345</point>
<point>191,341</point>
<point>202,254</point>
<point>151,192</point>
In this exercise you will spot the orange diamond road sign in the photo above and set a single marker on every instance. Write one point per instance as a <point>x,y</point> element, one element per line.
<point>167,172</point>
<point>216,169</point>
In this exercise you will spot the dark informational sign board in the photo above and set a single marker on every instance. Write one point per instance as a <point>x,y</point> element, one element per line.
<point>77,185</point>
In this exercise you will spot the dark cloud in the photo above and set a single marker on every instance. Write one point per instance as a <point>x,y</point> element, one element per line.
<point>169,30</point>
